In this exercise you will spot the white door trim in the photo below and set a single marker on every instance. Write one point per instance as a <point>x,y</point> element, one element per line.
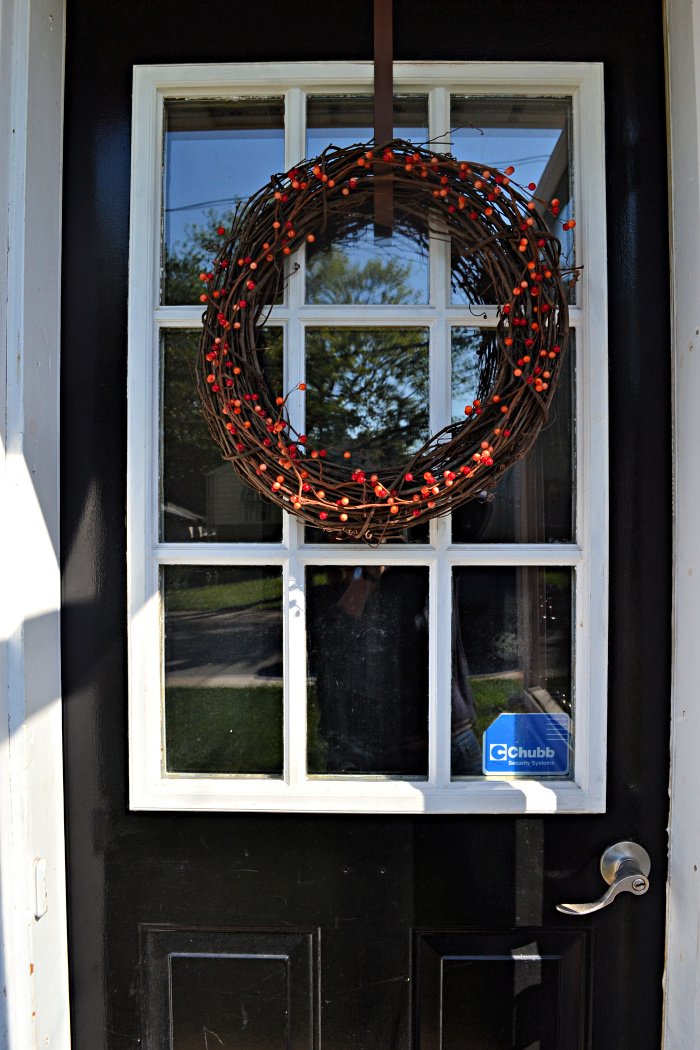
<point>34,1008</point>
<point>682,977</point>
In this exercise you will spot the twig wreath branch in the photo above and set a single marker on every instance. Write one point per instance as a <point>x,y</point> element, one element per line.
<point>500,241</point>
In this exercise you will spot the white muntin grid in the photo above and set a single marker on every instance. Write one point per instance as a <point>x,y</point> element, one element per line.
<point>151,787</point>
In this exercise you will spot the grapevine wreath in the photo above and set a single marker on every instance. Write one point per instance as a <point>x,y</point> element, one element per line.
<point>502,248</point>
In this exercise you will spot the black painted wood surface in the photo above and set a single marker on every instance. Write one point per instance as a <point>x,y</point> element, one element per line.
<point>354,890</point>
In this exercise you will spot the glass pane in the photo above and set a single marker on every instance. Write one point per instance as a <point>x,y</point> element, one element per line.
<point>367,393</point>
<point>222,634</point>
<point>217,154</point>
<point>532,135</point>
<point>360,269</point>
<point>512,651</point>
<point>367,652</point>
<point>202,498</point>
<point>534,501</point>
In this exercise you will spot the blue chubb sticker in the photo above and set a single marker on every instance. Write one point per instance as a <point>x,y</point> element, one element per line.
<point>536,744</point>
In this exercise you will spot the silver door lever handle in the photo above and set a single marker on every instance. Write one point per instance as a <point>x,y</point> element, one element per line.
<point>625,867</point>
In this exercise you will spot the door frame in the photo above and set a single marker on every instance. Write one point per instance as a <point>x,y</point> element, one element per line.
<point>34,1011</point>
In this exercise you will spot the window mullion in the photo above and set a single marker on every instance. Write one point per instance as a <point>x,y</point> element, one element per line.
<point>295,672</point>
<point>439,126</point>
<point>440,672</point>
<point>294,590</point>
<point>438,130</point>
<point>294,607</point>
<point>294,151</point>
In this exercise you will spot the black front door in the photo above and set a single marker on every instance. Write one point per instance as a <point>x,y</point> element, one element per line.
<point>374,932</point>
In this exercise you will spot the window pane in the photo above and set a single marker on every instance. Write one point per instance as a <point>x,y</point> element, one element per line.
<point>511,651</point>
<point>367,652</point>
<point>217,154</point>
<point>202,498</point>
<point>532,134</point>
<point>222,634</point>
<point>367,393</point>
<point>533,502</point>
<point>360,269</point>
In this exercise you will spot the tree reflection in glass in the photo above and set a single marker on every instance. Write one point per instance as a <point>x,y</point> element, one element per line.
<point>368,393</point>
<point>202,498</point>
<point>216,154</point>
<point>345,120</point>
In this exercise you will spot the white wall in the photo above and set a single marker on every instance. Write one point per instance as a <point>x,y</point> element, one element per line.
<point>682,1015</point>
<point>34,1008</point>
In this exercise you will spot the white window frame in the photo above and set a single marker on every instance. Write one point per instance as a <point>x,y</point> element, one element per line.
<point>150,787</point>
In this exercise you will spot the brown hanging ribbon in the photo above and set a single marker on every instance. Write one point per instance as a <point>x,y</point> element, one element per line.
<point>383,115</point>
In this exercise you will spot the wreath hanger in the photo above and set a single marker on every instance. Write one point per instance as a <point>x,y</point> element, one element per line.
<point>383,115</point>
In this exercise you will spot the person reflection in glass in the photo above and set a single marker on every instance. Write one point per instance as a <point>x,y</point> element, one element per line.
<point>368,650</point>
<point>466,758</point>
